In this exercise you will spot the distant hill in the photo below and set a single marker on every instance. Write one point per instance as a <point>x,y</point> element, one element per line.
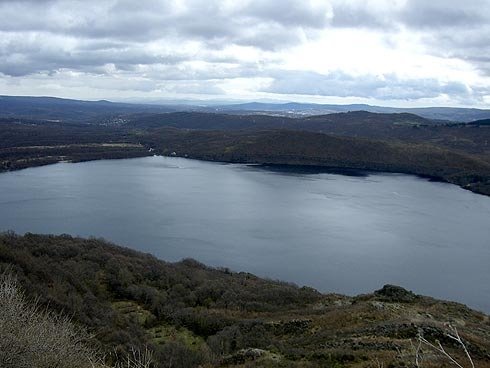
<point>69,110</point>
<point>435,113</point>
<point>61,109</point>
<point>484,122</point>
<point>320,123</point>
<point>404,127</point>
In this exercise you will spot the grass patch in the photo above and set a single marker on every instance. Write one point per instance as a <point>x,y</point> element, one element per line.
<point>162,334</point>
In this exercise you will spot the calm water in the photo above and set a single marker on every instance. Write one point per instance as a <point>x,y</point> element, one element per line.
<point>335,233</point>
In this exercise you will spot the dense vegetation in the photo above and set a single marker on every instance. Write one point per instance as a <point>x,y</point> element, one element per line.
<point>188,314</point>
<point>27,143</point>
<point>472,138</point>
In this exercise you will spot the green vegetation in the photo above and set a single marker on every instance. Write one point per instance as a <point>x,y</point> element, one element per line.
<point>188,314</point>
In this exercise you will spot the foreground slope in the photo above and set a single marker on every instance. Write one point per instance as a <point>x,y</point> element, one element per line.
<point>189,314</point>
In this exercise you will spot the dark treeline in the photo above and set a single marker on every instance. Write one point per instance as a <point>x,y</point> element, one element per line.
<point>26,143</point>
<point>24,157</point>
<point>21,133</point>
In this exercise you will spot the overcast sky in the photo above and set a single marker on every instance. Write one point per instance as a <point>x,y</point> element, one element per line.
<point>385,52</point>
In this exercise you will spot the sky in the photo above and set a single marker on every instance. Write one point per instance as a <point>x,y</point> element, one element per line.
<point>404,53</point>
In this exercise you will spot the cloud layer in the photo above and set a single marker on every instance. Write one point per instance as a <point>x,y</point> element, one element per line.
<point>403,51</point>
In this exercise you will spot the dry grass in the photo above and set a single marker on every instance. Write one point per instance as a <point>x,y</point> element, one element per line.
<point>31,336</point>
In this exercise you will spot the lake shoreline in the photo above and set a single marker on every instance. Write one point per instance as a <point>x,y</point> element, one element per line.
<point>300,167</point>
<point>370,221</point>
<point>6,234</point>
<point>340,170</point>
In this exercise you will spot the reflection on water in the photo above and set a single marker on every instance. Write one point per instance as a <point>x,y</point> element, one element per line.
<point>348,234</point>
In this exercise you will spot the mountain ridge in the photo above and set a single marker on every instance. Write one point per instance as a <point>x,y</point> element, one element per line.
<point>36,106</point>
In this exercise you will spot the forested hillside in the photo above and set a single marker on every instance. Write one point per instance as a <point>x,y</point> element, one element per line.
<point>315,149</point>
<point>188,314</point>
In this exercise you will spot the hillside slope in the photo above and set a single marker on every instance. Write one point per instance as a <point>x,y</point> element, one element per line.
<point>468,138</point>
<point>189,314</point>
<point>306,148</point>
<point>220,121</point>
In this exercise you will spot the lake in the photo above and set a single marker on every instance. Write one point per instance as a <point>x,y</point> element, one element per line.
<point>337,233</point>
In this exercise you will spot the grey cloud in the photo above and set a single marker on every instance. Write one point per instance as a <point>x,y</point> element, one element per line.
<point>22,55</point>
<point>444,13</point>
<point>388,87</point>
<point>195,87</point>
<point>360,16</point>
<point>213,71</point>
<point>151,20</point>
<point>102,82</point>
<point>448,28</point>
<point>292,12</point>
<point>414,14</point>
<point>45,36</point>
<point>132,38</point>
<point>471,45</point>
<point>276,38</point>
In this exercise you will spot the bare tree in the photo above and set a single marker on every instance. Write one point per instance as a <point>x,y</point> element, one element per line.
<point>31,336</point>
<point>136,359</point>
<point>451,333</point>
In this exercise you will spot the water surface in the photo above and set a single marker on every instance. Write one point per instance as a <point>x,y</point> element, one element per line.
<point>347,234</point>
